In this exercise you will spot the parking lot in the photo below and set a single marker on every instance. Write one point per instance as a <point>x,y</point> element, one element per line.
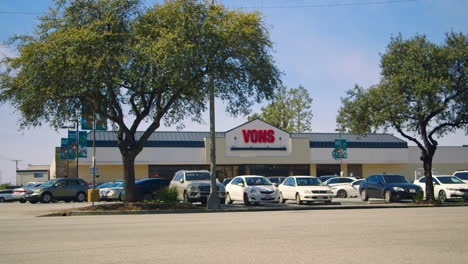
<point>394,235</point>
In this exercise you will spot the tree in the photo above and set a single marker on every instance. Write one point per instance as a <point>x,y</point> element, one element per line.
<point>423,94</point>
<point>289,110</point>
<point>136,65</point>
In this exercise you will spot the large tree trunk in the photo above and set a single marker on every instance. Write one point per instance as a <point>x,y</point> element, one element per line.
<point>427,164</point>
<point>128,159</point>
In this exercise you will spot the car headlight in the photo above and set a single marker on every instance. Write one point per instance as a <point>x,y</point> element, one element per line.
<point>112,192</point>
<point>453,189</point>
<point>329,191</point>
<point>37,190</point>
<point>398,189</point>
<point>253,191</point>
<point>307,191</point>
<point>194,188</point>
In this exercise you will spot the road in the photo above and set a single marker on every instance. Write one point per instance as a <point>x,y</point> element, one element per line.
<point>394,235</point>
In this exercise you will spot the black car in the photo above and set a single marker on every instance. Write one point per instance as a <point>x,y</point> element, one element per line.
<point>390,187</point>
<point>276,180</point>
<point>146,188</point>
<point>226,181</point>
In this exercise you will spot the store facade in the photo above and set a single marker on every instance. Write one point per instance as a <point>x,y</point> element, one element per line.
<point>257,147</point>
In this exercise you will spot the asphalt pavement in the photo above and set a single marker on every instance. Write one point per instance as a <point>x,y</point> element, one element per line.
<point>391,235</point>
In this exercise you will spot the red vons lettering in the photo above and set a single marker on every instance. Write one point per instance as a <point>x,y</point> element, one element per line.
<point>258,136</point>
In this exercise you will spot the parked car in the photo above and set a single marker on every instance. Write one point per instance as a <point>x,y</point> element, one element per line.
<point>337,181</point>
<point>226,181</point>
<point>115,193</point>
<point>6,195</point>
<point>276,180</point>
<point>390,187</point>
<point>251,189</point>
<point>20,193</point>
<point>106,187</point>
<point>194,186</point>
<point>446,187</point>
<point>145,189</point>
<point>65,189</point>
<point>324,178</point>
<point>462,174</point>
<point>304,189</point>
<point>347,190</point>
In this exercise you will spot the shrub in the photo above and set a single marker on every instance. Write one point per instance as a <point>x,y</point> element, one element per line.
<point>168,194</point>
<point>419,197</point>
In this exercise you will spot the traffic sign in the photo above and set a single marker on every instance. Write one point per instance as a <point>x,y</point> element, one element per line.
<point>94,170</point>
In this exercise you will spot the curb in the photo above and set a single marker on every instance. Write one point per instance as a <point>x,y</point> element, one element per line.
<point>229,210</point>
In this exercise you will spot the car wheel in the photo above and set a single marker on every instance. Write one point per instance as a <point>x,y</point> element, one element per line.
<point>33,202</point>
<point>23,201</point>
<point>2,199</point>
<point>364,196</point>
<point>46,198</point>
<point>442,196</point>
<point>388,196</point>
<point>80,197</point>
<point>342,194</point>
<point>186,198</point>
<point>228,199</point>
<point>281,199</point>
<point>246,200</point>
<point>120,197</point>
<point>298,199</point>
<point>147,197</point>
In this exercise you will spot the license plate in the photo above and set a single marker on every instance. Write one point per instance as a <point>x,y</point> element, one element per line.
<point>412,190</point>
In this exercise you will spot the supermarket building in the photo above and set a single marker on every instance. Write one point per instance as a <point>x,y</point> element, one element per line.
<point>257,147</point>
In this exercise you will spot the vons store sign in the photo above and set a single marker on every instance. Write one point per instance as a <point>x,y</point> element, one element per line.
<point>259,137</point>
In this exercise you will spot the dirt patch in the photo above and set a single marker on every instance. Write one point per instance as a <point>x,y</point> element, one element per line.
<point>139,206</point>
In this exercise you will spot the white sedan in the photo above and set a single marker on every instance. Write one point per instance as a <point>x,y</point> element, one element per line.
<point>333,182</point>
<point>304,189</point>
<point>348,190</point>
<point>251,189</point>
<point>445,187</point>
<point>116,193</point>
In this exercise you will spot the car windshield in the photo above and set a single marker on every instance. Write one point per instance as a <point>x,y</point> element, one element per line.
<point>257,181</point>
<point>197,176</point>
<point>28,185</point>
<point>309,182</point>
<point>449,180</point>
<point>49,183</point>
<point>395,179</point>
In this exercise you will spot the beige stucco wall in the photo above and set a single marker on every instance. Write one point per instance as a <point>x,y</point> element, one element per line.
<point>112,172</point>
<point>370,169</point>
<point>299,154</point>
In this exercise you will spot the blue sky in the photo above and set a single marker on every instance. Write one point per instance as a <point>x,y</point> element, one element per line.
<point>327,46</point>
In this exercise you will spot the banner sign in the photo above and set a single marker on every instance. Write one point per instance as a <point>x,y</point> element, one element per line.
<point>83,143</point>
<point>64,148</point>
<point>72,146</point>
<point>341,150</point>
<point>87,119</point>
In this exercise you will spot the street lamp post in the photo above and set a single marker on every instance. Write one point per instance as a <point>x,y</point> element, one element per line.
<point>341,153</point>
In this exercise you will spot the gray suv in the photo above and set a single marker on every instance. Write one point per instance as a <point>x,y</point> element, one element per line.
<point>60,189</point>
<point>194,186</point>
